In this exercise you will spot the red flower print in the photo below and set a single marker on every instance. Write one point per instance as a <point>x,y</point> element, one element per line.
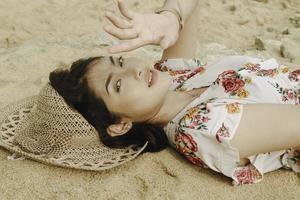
<point>252,67</point>
<point>195,160</point>
<point>205,119</point>
<point>185,143</point>
<point>267,72</point>
<point>290,94</point>
<point>186,75</point>
<point>232,84</point>
<point>158,65</point>
<point>247,175</point>
<point>199,70</point>
<point>294,75</point>
<point>181,71</point>
<point>222,132</point>
<point>194,123</point>
<point>227,74</point>
<point>195,117</point>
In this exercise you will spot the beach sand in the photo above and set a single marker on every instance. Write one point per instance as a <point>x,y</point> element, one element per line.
<point>38,36</point>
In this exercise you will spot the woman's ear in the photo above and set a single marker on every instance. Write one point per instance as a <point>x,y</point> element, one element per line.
<point>119,129</point>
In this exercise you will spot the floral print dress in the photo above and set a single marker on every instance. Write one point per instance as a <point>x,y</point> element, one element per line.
<point>202,131</point>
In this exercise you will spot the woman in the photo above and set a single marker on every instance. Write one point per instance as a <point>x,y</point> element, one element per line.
<point>226,115</point>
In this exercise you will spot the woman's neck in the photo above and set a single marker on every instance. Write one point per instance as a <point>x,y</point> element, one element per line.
<point>174,103</point>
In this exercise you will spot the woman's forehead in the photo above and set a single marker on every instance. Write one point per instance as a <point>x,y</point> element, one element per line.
<point>98,71</point>
<point>99,66</point>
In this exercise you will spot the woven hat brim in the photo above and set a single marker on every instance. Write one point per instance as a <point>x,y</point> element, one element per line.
<point>12,114</point>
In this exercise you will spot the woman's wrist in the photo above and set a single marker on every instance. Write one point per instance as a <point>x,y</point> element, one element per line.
<point>172,15</point>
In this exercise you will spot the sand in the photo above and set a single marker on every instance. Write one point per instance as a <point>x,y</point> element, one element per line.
<point>38,36</point>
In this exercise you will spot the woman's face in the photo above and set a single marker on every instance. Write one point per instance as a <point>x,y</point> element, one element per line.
<point>128,94</point>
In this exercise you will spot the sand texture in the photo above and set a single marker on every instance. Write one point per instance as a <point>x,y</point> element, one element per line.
<point>38,36</point>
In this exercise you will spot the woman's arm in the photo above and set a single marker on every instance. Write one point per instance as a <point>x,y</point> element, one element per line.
<point>267,127</point>
<point>185,46</point>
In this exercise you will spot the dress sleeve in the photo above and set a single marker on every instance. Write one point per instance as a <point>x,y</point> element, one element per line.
<point>266,162</point>
<point>176,66</point>
<point>246,175</point>
<point>259,164</point>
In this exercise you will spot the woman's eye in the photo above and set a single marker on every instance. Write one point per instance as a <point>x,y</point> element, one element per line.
<point>118,85</point>
<point>121,61</point>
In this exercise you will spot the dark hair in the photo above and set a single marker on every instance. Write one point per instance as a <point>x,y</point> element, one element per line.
<point>72,85</point>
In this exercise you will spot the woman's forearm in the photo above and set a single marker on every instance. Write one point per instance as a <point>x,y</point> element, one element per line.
<point>186,45</point>
<point>184,7</point>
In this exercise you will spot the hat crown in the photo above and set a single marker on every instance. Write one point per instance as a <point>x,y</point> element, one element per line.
<point>52,125</point>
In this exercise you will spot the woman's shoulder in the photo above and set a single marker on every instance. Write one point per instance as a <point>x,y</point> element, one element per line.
<point>234,61</point>
<point>173,64</point>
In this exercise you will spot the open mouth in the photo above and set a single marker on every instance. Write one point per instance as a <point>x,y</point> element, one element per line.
<point>152,78</point>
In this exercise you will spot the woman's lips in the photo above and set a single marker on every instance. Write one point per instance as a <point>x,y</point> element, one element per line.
<point>154,77</point>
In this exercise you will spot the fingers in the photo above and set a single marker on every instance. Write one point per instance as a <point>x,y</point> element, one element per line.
<point>121,34</point>
<point>117,21</point>
<point>124,10</point>
<point>127,46</point>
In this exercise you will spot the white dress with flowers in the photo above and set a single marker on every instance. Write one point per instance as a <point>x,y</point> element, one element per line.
<point>203,129</point>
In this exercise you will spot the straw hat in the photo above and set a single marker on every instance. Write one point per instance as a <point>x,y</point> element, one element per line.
<point>44,128</point>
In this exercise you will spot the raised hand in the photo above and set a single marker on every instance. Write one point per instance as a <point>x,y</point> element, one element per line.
<point>139,29</point>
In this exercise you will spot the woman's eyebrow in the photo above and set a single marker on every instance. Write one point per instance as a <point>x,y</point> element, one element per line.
<point>109,76</point>
<point>111,60</point>
<point>107,82</point>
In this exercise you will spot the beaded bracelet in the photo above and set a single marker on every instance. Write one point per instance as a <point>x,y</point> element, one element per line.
<point>174,11</point>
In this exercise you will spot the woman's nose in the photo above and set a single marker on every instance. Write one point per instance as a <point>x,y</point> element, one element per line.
<point>136,73</point>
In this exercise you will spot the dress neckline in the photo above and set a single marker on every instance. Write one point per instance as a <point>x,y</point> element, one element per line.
<point>187,106</point>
